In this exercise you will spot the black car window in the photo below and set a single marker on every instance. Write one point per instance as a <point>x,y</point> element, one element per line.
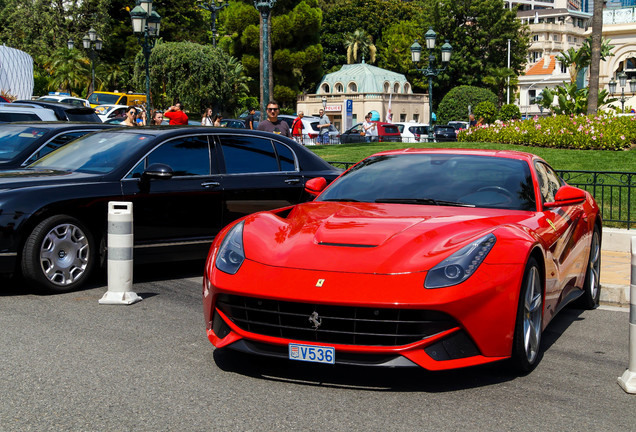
<point>13,139</point>
<point>549,181</point>
<point>55,144</point>
<point>391,129</point>
<point>187,156</point>
<point>356,129</point>
<point>445,129</point>
<point>443,179</point>
<point>245,154</point>
<point>401,128</point>
<point>15,117</point>
<point>418,130</point>
<point>82,115</point>
<point>286,157</point>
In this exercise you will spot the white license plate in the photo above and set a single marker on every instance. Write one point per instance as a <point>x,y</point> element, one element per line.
<point>312,353</point>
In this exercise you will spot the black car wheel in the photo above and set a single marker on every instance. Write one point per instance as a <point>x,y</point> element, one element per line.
<point>592,284</point>
<point>527,336</point>
<point>58,254</point>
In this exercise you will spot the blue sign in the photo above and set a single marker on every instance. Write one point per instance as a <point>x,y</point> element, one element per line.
<point>349,103</point>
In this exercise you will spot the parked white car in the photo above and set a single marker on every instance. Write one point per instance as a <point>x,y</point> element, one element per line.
<point>412,132</point>
<point>109,111</point>
<point>310,129</point>
<point>66,99</point>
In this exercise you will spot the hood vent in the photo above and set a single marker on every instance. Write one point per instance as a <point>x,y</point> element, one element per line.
<point>347,245</point>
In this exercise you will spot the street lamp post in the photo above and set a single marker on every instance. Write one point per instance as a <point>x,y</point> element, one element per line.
<point>92,42</point>
<point>430,71</point>
<point>265,9</point>
<point>622,79</point>
<point>214,9</point>
<point>146,23</point>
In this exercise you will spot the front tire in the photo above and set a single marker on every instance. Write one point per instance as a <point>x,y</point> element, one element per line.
<point>527,338</point>
<point>58,254</point>
<point>592,285</point>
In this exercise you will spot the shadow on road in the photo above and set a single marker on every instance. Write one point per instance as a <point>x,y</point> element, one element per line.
<point>384,379</point>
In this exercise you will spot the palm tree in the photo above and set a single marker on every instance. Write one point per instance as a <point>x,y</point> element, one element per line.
<point>359,44</point>
<point>595,56</point>
<point>497,78</point>
<point>69,70</point>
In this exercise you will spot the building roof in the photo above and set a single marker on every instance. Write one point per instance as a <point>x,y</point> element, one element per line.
<point>545,66</point>
<point>367,79</point>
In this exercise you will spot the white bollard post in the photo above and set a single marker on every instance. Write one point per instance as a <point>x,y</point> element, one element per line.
<point>628,380</point>
<point>120,255</point>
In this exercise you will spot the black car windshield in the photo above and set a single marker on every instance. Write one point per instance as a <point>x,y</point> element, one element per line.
<point>101,152</point>
<point>437,179</point>
<point>14,139</point>
<point>101,99</point>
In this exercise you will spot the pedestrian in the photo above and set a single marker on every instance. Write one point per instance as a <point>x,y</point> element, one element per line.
<point>156,118</point>
<point>206,120</point>
<point>369,128</point>
<point>323,127</point>
<point>176,115</point>
<point>131,117</point>
<point>297,128</point>
<point>251,118</point>
<point>471,120</point>
<point>217,120</point>
<point>273,124</point>
<point>480,122</point>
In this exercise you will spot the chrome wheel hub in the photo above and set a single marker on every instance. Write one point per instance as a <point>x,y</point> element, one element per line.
<point>532,309</point>
<point>64,254</point>
<point>595,265</point>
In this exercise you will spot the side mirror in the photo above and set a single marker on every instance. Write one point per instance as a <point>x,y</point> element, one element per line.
<point>315,186</point>
<point>158,171</point>
<point>565,196</point>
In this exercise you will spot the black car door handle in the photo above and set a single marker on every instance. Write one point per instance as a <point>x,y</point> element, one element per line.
<point>210,184</point>
<point>292,181</point>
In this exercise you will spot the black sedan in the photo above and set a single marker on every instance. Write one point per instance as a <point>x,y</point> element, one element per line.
<point>444,133</point>
<point>26,142</point>
<point>185,184</point>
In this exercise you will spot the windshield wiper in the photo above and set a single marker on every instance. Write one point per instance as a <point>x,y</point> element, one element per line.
<point>422,201</point>
<point>341,200</point>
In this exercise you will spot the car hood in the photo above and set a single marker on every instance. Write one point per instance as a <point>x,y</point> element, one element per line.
<point>22,178</point>
<point>371,238</point>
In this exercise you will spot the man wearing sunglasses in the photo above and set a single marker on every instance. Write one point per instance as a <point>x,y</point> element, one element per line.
<point>272,124</point>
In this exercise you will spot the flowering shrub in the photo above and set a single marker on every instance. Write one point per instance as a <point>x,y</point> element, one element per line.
<point>598,132</point>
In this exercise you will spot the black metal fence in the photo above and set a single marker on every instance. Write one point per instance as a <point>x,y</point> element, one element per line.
<point>615,192</point>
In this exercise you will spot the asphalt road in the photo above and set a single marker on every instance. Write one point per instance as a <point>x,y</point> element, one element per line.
<point>70,364</point>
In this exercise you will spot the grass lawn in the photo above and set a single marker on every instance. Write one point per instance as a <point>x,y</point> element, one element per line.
<point>560,159</point>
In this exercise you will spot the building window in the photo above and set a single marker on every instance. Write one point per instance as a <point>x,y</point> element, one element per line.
<point>325,88</point>
<point>339,88</point>
<point>402,118</point>
<point>396,88</point>
<point>416,118</point>
<point>564,68</point>
<point>407,88</point>
<point>386,87</point>
<point>353,87</point>
<point>535,38</point>
<point>532,96</point>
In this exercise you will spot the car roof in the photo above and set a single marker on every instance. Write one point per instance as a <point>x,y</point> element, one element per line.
<point>59,125</point>
<point>58,107</point>
<point>508,154</point>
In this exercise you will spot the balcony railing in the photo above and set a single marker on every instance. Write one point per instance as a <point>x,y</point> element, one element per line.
<point>614,192</point>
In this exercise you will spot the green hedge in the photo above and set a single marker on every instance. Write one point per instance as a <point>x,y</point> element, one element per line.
<point>602,132</point>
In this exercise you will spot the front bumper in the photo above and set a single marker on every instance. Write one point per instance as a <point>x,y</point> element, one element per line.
<point>482,313</point>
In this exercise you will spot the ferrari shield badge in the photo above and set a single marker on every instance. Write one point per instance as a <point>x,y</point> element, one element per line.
<point>320,282</point>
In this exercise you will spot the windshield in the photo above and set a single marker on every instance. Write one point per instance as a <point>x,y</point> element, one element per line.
<point>101,152</point>
<point>437,179</point>
<point>100,98</point>
<point>14,139</point>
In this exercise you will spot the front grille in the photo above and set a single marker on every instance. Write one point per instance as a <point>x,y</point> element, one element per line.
<point>338,324</point>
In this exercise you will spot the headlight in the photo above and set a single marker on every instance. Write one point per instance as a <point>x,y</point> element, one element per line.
<point>231,254</point>
<point>461,265</point>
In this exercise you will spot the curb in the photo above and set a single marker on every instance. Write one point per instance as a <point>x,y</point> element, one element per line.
<point>614,295</point>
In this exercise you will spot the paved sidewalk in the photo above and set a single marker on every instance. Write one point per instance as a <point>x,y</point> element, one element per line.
<point>615,277</point>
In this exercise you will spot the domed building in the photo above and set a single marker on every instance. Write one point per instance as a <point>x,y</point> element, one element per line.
<point>357,89</point>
